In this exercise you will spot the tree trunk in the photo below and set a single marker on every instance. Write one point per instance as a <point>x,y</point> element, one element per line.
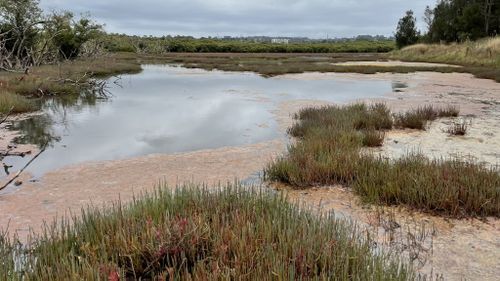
<point>487,15</point>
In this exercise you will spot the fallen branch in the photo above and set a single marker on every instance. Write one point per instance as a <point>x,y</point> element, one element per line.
<point>24,168</point>
<point>7,115</point>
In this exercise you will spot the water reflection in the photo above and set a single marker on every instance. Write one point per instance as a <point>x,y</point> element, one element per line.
<point>399,86</point>
<point>170,109</point>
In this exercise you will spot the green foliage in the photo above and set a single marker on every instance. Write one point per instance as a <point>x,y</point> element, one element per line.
<point>406,33</point>
<point>192,233</point>
<point>461,20</point>
<point>328,152</point>
<point>29,38</point>
<point>68,35</point>
<point>19,21</point>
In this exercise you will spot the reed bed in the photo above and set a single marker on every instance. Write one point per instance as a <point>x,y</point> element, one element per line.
<point>328,152</point>
<point>231,233</point>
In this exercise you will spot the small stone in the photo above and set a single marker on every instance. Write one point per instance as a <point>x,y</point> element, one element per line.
<point>18,183</point>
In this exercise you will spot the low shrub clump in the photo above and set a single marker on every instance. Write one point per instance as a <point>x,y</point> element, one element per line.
<point>233,233</point>
<point>418,118</point>
<point>328,152</point>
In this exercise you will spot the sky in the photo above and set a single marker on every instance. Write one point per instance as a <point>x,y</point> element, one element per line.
<point>295,18</point>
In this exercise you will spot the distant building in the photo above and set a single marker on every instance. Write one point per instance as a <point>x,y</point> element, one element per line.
<point>280,41</point>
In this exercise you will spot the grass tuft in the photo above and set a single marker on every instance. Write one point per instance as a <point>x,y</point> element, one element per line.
<point>418,118</point>
<point>373,138</point>
<point>14,103</point>
<point>458,128</point>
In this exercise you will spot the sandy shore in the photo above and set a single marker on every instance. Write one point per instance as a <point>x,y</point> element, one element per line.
<point>461,249</point>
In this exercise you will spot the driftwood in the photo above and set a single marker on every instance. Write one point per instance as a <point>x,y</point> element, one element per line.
<point>97,86</point>
<point>24,168</point>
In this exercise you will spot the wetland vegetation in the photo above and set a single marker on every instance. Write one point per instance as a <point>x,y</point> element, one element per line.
<point>328,151</point>
<point>233,232</point>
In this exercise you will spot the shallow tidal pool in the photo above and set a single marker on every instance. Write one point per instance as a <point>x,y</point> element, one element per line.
<point>170,109</point>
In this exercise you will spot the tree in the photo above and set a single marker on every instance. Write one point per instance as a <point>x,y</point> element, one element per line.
<point>68,35</point>
<point>29,38</point>
<point>406,33</point>
<point>20,22</point>
<point>459,20</point>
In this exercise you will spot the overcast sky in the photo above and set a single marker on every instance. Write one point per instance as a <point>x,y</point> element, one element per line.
<point>311,18</point>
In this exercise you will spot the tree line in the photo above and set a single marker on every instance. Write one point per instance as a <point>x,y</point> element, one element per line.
<point>452,21</point>
<point>158,45</point>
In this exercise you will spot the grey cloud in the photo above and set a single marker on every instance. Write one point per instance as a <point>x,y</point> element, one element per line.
<point>313,18</point>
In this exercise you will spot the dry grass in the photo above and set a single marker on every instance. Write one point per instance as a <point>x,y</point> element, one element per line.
<point>481,58</point>
<point>233,233</point>
<point>328,152</point>
<point>13,103</point>
<point>459,128</point>
<point>484,52</point>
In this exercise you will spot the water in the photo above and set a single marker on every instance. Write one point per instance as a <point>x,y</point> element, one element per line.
<point>168,109</point>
